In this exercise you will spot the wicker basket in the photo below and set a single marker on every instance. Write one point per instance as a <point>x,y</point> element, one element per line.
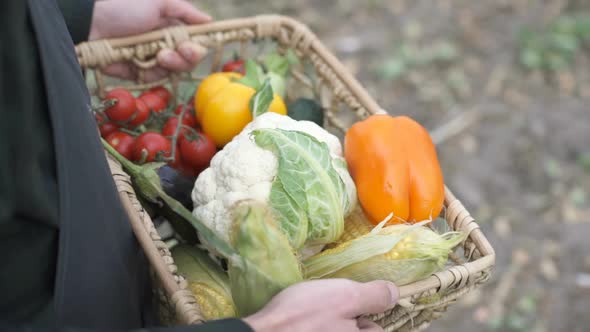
<point>344,101</point>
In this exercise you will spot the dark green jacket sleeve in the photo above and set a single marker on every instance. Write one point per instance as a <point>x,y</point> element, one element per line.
<point>30,221</point>
<point>29,227</point>
<point>78,17</point>
<point>225,325</point>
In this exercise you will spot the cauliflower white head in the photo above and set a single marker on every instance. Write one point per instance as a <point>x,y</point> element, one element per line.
<point>244,170</point>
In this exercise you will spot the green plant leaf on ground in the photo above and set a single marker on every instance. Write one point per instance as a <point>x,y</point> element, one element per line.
<point>553,168</point>
<point>408,56</point>
<point>392,69</point>
<point>527,304</point>
<point>516,322</point>
<point>554,48</point>
<point>531,58</point>
<point>566,43</point>
<point>578,196</point>
<point>584,161</point>
<point>495,323</point>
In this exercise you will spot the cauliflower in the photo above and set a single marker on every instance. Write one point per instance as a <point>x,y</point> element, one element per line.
<point>244,170</point>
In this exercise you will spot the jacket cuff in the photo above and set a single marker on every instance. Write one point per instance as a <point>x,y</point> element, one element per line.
<point>78,17</point>
<point>221,325</point>
<point>229,324</point>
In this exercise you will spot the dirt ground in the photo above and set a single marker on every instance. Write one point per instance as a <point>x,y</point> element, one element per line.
<point>514,143</point>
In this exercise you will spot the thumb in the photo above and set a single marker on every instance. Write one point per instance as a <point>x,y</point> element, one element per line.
<point>374,297</point>
<point>184,11</point>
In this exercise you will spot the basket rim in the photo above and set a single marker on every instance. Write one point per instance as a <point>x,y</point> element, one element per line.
<point>442,280</point>
<point>259,23</point>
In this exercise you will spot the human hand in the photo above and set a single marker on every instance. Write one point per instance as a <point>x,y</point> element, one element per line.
<point>326,305</point>
<point>118,18</point>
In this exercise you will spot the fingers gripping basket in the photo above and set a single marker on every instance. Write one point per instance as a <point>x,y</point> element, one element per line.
<point>344,101</point>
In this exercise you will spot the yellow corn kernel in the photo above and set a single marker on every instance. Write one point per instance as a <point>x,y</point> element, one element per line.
<point>333,248</point>
<point>393,254</point>
<point>206,280</point>
<point>213,304</point>
<point>355,225</point>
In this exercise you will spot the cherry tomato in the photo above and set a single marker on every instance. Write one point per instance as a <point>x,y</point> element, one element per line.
<point>187,170</point>
<point>236,65</point>
<point>104,125</point>
<point>122,142</point>
<point>197,150</point>
<point>141,114</point>
<point>170,127</point>
<point>125,106</point>
<point>162,92</point>
<point>154,144</point>
<point>107,128</point>
<point>189,114</point>
<point>179,165</point>
<point>177,162</point>
<point>154,102</point>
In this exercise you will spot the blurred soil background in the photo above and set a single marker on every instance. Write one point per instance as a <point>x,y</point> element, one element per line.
<point>504,88</point>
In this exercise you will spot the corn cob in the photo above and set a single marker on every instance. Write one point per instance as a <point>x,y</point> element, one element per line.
<point>213,304</point>
<point>208,283</point>
<point>355,225</point>
<point>399,253</point>
<point>266,263</point>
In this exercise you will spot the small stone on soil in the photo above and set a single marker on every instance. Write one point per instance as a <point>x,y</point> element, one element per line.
<point>583,280</point>
<point>482,314</point>
<point>502,227</point>
<point>549,269</point>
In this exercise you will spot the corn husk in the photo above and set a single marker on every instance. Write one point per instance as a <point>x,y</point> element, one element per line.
<point>206,280</point>
<point>400,253</point>
<point>259,241</point>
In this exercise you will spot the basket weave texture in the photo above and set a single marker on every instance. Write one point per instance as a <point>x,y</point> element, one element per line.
<point>341,95</point>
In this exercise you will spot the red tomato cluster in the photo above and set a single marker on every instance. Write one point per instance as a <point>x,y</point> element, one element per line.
<point>143,129</point>
<point>236,65</point>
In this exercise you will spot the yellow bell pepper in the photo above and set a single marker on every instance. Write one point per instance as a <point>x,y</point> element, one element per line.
<point>222,106</point>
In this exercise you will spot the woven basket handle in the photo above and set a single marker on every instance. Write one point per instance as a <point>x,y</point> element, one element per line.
<point>142,49</point>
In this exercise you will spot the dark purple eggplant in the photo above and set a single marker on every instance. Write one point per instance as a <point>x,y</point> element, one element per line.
<point>177,185</point>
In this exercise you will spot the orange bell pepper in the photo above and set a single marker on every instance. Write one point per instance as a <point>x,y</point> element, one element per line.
<point>394,165</point>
